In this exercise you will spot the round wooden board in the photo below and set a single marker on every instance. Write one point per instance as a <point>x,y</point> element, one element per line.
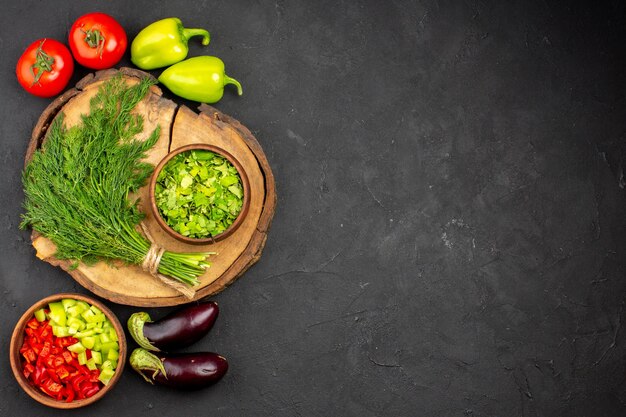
<point>179,126</point>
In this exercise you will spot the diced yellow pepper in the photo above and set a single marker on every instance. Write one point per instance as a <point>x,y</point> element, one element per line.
<point>106,347</point>
<point>106,375</point>
<point>97,357</point>
<point>113,335</point>
<point>91,364</point>
<point>60,331</point>
<point>40,315</point>
<point>88,341</point>
<point>76,347</point>
<point>113,355</point>
<point>57,313</point>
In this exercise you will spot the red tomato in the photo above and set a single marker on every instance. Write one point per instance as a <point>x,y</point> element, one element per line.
<point>97,41</point>
<point>45,68</point>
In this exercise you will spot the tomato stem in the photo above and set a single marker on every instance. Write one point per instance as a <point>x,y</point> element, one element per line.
<point>43,63</point>
<point>95,39</point>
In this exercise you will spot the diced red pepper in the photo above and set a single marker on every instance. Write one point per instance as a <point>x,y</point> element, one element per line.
<point>53,375</point>
<point>91,390</point>
<point>30,356</point>
<point>69,392</point>
<point>46,332</point>
<point>77,381</point>
<point>28,370</point>
<point>54,369</point>
<point>38,375</point>
<point>93,376</point>
<point>49,361</point>
<point>58,361</point>
<point>32,323</point>
<point>51,388</point>
<point>45,350</point>
<point>62,372</point>
<point>66,341</point>
<point>55,387</point>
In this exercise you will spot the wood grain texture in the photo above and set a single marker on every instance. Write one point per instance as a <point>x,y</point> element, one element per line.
<point>128,284</point>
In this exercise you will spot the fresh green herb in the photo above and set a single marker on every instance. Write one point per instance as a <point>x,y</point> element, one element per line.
<point>77,185</point>
<point>199,193</point>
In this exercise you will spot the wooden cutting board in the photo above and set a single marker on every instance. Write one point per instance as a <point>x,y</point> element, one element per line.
<point>180,126</point>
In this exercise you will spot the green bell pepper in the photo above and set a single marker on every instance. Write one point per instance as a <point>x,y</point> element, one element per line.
<point>201,78</point>
<point>163,43</point>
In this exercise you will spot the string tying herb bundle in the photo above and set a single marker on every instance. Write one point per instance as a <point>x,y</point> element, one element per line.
<point>77,187</point>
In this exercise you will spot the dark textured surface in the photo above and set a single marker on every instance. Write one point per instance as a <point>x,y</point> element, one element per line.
<point>449,239</point>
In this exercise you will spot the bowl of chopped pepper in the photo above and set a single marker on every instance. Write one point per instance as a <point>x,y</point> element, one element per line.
<point>68,351</point>
<point>199,194</point>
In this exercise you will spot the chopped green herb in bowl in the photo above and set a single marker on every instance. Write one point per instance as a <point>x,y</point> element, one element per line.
<point>199,193</point>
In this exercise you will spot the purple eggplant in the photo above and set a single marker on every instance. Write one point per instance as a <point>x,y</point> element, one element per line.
<point>176,330</point>
<point>187,371</point>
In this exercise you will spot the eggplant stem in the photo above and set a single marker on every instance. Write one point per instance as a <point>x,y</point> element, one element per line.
<point>142,360</point>
<point>135,327</point>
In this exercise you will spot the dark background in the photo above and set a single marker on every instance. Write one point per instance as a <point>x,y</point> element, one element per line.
<point>449,237</point>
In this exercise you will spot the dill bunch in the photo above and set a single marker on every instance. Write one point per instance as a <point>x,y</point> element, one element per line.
<point>77,185</point>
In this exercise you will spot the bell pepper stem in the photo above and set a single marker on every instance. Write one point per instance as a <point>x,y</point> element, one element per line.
<point>190,33</point>
<point>229,80</point>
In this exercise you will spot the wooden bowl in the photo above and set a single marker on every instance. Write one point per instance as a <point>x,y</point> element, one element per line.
<point>244,182</point>
<point>18,338</point>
